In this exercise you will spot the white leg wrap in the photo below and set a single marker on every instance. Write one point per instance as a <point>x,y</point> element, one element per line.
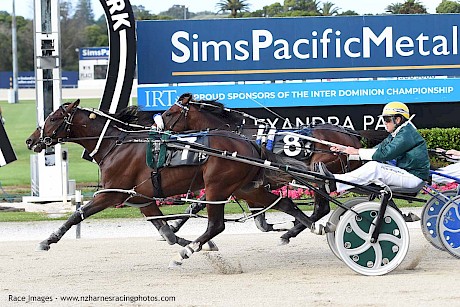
<point>195,246</point>
<point>283,226</point>
<point>318,229</point>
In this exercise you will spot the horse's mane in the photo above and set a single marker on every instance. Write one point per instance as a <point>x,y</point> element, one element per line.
<point>218,109</point>
<point>332,127</point>
<point>369,138</point>
<point>132,115</point>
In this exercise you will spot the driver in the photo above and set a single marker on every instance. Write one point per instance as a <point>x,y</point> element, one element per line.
<point>404,145</point>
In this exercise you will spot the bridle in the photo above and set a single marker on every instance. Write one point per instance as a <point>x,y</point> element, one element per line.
<point>65,125</point>
<point>183,112</point>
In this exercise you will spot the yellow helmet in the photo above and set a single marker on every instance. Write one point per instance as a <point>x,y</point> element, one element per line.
<point>394,108</point>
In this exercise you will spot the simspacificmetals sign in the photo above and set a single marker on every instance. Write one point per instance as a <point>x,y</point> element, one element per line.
<point>298,48</point>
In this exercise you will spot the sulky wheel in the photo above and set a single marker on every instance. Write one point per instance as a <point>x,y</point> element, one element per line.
<point>430,217</point>
<point>449,227</point>
<point>353,236</point>
<point>334,219</point>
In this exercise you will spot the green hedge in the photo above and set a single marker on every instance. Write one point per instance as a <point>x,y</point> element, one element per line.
<point>447,138</point>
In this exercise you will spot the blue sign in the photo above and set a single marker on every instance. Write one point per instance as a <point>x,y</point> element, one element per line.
<point>26,79</point>
<point>94,53</point>
<point>297,48</point>
<point>159,98</point>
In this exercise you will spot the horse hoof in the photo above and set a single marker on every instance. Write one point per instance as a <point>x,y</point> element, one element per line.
<point>210,247</point>
<point>411,217</point>
<point>174,264</point>
<point>42,247</point>
<point>283,241</point>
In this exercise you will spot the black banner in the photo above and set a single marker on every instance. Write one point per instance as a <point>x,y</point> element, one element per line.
<point>122,63</point>
<point>7,154</point>
<point>359,117</point>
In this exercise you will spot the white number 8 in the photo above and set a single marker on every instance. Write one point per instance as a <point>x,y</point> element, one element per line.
<point>290,143</point>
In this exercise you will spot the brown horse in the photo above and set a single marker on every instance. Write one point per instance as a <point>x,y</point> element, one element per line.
<point>187,114</point>
<point>121,155</point>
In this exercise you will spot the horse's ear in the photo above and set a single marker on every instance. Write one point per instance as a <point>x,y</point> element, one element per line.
<point>185,98</point>
<point>73,105</point>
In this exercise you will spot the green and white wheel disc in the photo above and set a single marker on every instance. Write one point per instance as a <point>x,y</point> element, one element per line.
<point>334,219</point>
<point>353,236</point>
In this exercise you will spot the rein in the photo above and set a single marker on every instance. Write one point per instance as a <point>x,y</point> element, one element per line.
<point>201,103</point>
<point>67,123</point>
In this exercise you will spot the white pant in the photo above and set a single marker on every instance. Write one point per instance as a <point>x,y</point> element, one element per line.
<point>374,171</point>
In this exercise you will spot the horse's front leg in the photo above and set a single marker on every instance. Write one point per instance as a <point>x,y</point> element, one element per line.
<point>215,226</point>
<point>99,203</point>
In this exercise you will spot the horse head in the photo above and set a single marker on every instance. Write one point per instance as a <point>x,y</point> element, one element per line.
<point>34,141</point>
<point>56,127</point>
<point>188,114</point>
<point>175,118</point>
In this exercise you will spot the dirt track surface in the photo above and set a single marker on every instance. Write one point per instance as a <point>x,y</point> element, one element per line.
<point>249,270</point>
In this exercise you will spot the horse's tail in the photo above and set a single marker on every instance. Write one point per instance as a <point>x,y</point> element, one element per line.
<point>371,138</point>
<point>280,177</point>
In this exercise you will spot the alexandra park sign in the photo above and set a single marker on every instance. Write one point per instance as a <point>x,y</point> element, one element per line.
<point>298,48</point>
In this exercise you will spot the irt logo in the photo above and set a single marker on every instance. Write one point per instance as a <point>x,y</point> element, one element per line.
<point>157,99</point>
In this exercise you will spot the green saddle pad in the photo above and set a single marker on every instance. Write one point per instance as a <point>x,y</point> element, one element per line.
<point>150,160</point>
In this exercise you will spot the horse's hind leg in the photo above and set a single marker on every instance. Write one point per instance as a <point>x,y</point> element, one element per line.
<point>321,209</point>
<point>262,197</point>
<point>99,203</point>
<point>192,209</point>
<point>166,233</point>
<point>162,226</point>
<point>292,233</point>
<point>261,222</point>
<point>215,226</point>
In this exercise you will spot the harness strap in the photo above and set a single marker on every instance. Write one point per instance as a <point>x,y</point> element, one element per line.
<point>261,211</point>
<point>210,202</point>
<point>130,192</point>
<point>155,177</point>
<point>101,137</point>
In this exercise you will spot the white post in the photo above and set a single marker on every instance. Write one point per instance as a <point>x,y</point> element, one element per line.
<point>78,203</point>
<point>65,182</point>
<point>15,56</point>
<point>51,179</point>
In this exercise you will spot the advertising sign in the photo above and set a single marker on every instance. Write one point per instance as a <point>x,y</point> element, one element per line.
<point>298,48</point>
<point>151,98</point>
<point>26,79</point>
<point>94,53</point>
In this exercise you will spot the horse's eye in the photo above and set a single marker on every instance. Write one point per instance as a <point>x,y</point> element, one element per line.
<point>168,114</point>
<point>51,119</point>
